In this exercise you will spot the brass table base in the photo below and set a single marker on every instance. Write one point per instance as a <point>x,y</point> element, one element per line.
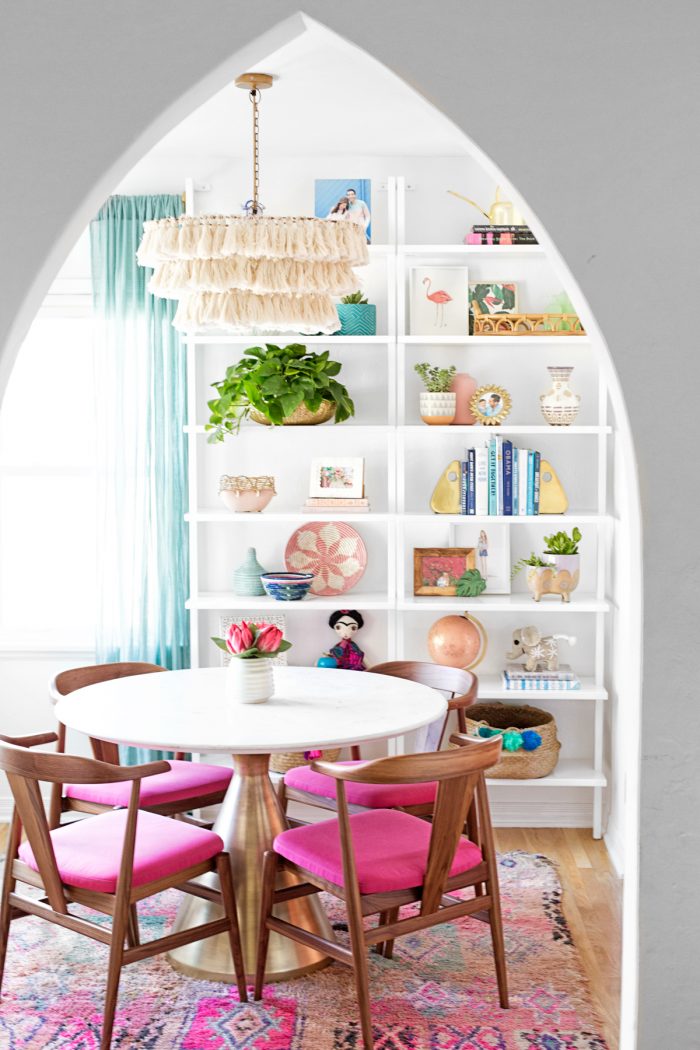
<point>249,819</point>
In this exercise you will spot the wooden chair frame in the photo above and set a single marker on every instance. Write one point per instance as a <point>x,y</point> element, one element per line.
<point>25,770</point>
<point>463,687</point>
<point>104,751</point>
<point>461,790</point>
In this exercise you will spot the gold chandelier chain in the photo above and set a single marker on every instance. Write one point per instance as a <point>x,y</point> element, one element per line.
<point>255,99</point>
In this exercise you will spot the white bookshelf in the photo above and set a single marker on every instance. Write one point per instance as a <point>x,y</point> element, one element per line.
<point>404,458</point>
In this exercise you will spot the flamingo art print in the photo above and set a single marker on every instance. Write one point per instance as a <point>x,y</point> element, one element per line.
<point>439,298</point>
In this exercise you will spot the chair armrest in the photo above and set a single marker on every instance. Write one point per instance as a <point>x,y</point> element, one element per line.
<point>36,740</point>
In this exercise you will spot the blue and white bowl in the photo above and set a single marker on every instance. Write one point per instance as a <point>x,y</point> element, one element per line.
<point>287,586</point>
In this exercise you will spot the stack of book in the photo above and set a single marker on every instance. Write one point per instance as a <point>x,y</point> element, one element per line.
<point>517,678</point>
<point>500,479</point>
<point>336,503</point>
<point>501,235</point>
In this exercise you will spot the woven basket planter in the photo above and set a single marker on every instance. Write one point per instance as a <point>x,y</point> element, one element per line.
<point>300,417</point>
<point>518,765</point>
<point>286,760</point>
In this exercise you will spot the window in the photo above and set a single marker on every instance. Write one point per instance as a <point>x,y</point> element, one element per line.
<point>47,483</point>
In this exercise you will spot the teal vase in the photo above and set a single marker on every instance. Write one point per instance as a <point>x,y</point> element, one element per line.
<point>357,319</point>
<point>246,578</point>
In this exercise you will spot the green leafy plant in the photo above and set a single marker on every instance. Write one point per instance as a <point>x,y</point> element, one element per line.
<point>436,380</point>
<point>356,299</point>
<point>275,380</point>
<point>470,584</point>
<point>561,543</point>
<point>534,559</point>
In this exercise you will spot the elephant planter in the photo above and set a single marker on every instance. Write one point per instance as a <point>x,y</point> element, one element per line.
<point>560,576</point>
<point>541,651</point>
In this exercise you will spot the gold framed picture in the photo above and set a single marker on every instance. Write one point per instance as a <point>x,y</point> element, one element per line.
<point>436,570</point>
<point>491,405</point>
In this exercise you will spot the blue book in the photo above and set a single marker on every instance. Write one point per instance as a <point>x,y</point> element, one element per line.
<point>530,482</point>
<point>507,477</point>
<point>537,484</point>
<point>463,487</point>
<point>471,482</point>
<point>515,480</point>
<point>493,477</point>
<point>499,475</point>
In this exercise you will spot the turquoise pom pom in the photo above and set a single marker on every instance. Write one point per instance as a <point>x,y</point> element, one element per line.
<point>487,731</point>
<point>531,740</point>
<point>512,741</point>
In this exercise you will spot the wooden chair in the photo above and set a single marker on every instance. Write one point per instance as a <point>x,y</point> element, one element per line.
<point>106,863</point>
<point>380,860</point>
<point>303,784</point>
<point>183,787</point>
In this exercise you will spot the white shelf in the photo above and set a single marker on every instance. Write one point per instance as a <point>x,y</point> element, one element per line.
<point>471,249</point>
<point>569,772</point>
<point>491,688</point>
<point>583,518</point>
<point>507,428</point>
<point>201,339</point>
<point>226,600</point>
<point>228,517</point>
<point>262,428</point>
<point>505,603</point>
<point>505,340</point>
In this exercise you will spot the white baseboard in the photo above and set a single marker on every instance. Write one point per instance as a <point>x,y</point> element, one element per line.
<point>613,844</point>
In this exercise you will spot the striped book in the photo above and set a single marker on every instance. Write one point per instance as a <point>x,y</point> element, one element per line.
<point>542,686</point>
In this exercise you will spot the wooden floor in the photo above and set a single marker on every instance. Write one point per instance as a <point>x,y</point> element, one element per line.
<point>591,900</point>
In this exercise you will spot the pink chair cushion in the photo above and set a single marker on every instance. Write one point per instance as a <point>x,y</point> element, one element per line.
<point>391,850</point>
<point>183,780</point>
<point>373,796</point>
<point>88,852</point>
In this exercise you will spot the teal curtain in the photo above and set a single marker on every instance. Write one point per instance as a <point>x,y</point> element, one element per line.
<point>140,380</point>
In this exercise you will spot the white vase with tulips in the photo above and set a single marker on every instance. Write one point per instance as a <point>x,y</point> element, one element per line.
<point>249,676</point>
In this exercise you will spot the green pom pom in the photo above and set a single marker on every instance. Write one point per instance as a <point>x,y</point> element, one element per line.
<point>487,731</point>
<point>512,741</point>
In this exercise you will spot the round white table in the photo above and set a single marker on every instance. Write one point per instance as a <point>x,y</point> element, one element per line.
<point>312,708</point>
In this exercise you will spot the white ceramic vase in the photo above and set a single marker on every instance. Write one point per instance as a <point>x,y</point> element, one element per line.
<point>560,404</point>
<point>438,409</point>
<point>249,681</point>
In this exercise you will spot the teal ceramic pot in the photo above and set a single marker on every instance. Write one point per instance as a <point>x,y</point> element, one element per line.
<point>246,578</point>
<point>357,319</point>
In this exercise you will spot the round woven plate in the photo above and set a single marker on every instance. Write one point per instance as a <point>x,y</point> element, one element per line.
<point>332,550</point>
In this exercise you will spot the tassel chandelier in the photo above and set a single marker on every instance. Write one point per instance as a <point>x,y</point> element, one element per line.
<point>253,273</point>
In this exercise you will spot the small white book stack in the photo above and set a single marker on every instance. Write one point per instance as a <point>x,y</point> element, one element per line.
<point>515,677</point>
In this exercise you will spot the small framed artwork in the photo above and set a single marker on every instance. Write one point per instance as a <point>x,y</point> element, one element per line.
<point>337,476</point>
<point>345,200</point>
<point>492,549</point>
<point>439,300</point>
<point>436,570</point>
<point>495,297</point>
<point>490,405</point>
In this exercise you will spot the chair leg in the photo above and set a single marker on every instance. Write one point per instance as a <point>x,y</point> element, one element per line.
<point>391,916</point>
<point>116,954</point>
<point>223,867</point>
<point>282,795</point>
<point>133,938</point>
<point>269,874</point>
<point>359,960</point>
<point>499,950</point>
<point>8,887</point>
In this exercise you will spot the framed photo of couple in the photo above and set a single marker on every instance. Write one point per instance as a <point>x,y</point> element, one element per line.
<point>345,200</point>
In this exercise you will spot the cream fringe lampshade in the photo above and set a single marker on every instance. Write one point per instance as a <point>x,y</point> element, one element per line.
<point>250,273</point>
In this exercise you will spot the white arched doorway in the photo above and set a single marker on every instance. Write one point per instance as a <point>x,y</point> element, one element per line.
<point>609,510</point>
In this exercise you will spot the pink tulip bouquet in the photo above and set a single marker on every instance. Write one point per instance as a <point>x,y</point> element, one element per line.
<point>251,641</point>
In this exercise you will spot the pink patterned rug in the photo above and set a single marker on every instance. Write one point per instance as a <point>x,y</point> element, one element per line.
<point>437,993</point>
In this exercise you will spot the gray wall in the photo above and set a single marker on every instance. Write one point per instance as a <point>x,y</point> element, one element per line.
<point>591,108</point>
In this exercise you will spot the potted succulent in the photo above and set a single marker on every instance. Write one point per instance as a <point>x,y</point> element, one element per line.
<point>278,386</point>
<point>249,677</point>
<point>438,404</point>
<point>557,571</point>
<point>357,316</point>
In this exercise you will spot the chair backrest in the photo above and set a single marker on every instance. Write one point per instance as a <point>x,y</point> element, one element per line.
<point>462,686</point>
<point>76,677</point>
<point>26,769</point>
<point>459,774</point>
